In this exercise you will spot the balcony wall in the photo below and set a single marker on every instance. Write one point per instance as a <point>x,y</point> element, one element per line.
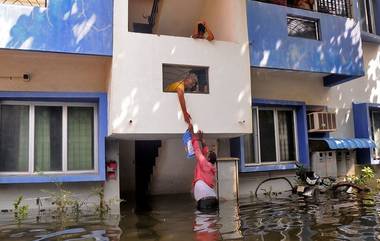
<point>136,92</point>
<point>138,107</point>
<point>69,26</point>
<point>338,54</point>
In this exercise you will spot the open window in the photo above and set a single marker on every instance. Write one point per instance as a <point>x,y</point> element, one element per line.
<point>179,17</point>
<point>192,79</point>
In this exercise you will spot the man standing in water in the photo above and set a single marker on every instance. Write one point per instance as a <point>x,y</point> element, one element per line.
<point>204,174</point>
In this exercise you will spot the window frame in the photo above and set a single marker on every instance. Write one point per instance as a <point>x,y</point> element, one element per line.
<point>256,136</point>
<point>64,105</point>
<point>370,20</point>
<point>306,19</point>
<point>205,68</point>
<point>374,156</point>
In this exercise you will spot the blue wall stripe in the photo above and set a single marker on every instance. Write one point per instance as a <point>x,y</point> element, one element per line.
<point>362,125</point>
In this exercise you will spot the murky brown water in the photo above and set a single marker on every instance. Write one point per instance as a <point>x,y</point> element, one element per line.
<point>344,217</point>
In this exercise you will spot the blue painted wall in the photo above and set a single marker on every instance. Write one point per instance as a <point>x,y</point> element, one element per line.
<point>362,124</point>
<point>68,26</point>
<point>339,52</point>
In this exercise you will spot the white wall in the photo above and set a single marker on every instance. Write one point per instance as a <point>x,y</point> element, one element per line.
<point>112,187</point>
<point>362,90</point>
<point>136,88</point>
<point>248,183</point>
<point>224,19</point>
<point>173,172</point>
<point>139,10</point>
<point>309,88</point>
<point>179,17</point>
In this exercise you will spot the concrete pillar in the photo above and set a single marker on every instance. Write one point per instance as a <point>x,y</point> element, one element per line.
<point>111,187</point>
<point>227,178</point>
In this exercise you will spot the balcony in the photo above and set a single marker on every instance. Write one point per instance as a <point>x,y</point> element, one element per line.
<point>179,17</point>
<point>293,39</point>
<point>335,7</point>
<point>141,105</point>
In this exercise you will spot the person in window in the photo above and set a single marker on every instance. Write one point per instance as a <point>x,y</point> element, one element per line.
<point>204,174</point>
<point>189,83</point>
<point>305,4</point>
<point>202,31</point>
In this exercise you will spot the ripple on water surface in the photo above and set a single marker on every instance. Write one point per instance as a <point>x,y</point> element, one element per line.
<point>345,217</point>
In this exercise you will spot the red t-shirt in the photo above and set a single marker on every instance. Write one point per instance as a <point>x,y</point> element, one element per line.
<point>204,170</point>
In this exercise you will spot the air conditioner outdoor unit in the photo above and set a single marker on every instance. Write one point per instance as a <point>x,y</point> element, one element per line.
<point>321,122</point>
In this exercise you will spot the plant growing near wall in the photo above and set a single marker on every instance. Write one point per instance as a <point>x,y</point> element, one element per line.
<point>20,211</point>
<point>367,174</point>
<point>103,207</point>
<point>62,199</point>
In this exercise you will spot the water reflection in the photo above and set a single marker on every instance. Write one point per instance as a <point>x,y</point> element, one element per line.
<point>341,217</point>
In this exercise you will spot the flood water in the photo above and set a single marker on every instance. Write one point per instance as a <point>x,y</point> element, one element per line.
<point>341,217</point>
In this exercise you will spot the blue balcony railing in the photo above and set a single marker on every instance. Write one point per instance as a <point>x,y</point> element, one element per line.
<point>335,7</point>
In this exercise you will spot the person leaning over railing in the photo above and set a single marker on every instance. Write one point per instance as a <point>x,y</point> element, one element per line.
<point>202,31</point>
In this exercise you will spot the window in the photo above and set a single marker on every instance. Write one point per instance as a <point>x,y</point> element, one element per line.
<point>33,3</point>
<point>274,137</point>
<point>192,79</point>
<point>367,16</point>
<point>376,132</point>
<point>47,138</point>
<point>303,27</point>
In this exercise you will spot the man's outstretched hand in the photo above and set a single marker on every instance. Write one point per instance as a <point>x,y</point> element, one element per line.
<point>191,128</point>
<point>187,117</point>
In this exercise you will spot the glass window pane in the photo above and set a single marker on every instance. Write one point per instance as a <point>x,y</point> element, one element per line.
<point>376,132</point>
<point>303,28</point>
<point>267,136</point>
<point>286,136</point>
<point>80,138</point>
<point>48,139</point>
<point>363,16</point>
<point>14,138</point>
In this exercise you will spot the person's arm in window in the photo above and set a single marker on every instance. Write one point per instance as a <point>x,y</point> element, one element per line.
<point>182,102</point>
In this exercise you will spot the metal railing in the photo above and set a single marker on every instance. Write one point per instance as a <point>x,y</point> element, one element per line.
<point>335,7</point>
<point>32,3</point>
<point>153,14</point>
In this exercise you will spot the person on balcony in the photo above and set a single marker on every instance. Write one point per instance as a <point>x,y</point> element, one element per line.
<point>204,174</point>
<point>202,31</point>
<point>305,4</point>
<point>189,83</point>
